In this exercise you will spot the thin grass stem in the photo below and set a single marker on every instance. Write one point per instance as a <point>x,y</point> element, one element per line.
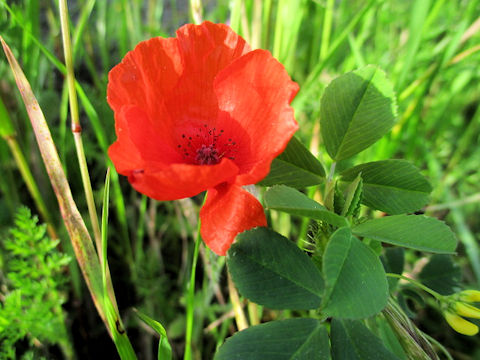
<point>257,25</point>
<point>327,29</point>
<point>196,11</point>
<point>240,317</point>
<point>312,78</point>
<point>191,295</point>
<point>76,127</point>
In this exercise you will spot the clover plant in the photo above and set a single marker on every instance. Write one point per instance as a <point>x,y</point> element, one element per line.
<point>336,280</point>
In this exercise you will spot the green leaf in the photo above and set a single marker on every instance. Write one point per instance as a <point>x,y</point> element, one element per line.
<point>290,339</point>
<point>291,201</point>
<point>164,348</point>
<point>338,199</point>
<point>411,231</point>
<point>395,257</point>
<point>393,186</point>
<point>295,167</point>
<point>353,341</point>
<point>441,274</point>
<point>270,270</point>
<point>104,231</point>
<point>354,195</point>
<point>356,110</point>
<point>355,282</point>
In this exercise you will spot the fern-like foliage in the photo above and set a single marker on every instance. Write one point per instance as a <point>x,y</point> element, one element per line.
<point>31,297</point>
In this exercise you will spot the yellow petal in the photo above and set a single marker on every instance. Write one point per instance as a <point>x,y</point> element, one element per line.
<point>470,296</point>
<point>460,325</point>
<point>467,310</point>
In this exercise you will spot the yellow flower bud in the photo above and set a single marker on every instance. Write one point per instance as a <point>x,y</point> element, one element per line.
<point>467,310</point>
<point>460,325</point>
<point>470,296</point>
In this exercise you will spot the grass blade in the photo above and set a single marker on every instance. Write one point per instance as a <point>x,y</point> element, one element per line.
<point>81,241</point>
<point>116,327</point>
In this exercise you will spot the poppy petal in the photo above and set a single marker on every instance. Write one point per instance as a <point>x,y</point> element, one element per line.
<point>214,44</point>
<point>228,211</point>
<point>178,181</point>
<point>152,143</point>
<point>123,152</point>
<point>205,50</point>
<point>255,90</point>
<point>145,76</point>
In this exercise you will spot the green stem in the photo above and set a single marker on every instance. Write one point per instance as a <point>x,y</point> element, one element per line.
<point>302,238</point>
<point>332,171</point>
<point>196,11</point>
<point>439,345</point>
<point>327,29</point>
<point>244,22</point>
<point>420,285</point>
<point>257,24</point>
<point>76,128</point>
<point>240,318</point>
<point>330,188</point>
<point>253,313</point>
<point>312,79</point>
<point>475,198</point>
<point>413,341</point>
<point>109,305</point>
<point>191,295</point>
<point>235,15</point>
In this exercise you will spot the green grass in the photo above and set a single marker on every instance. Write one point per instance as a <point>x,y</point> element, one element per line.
<point>151,243</point>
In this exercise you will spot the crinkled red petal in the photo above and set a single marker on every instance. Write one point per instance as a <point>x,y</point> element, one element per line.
<point>123,152</point>
<point>208,48</point>
<point>145,77</point>
<point>205,50</point>
<point>151,143</point>
<point>255,90</point>
<point>178,181</point>
<point>228,211</point>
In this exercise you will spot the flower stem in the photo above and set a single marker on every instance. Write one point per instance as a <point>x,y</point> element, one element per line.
<point>191,295</point>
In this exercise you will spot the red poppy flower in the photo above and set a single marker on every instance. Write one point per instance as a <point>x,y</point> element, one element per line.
<point>201,112</point>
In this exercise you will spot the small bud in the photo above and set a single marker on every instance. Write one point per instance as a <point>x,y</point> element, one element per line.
<point>460,325</point>
<point>470,296</point>
<point>467,310</point>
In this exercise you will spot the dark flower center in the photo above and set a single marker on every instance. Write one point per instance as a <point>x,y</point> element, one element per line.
<point>205,146</point>
<point>207,155</point>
